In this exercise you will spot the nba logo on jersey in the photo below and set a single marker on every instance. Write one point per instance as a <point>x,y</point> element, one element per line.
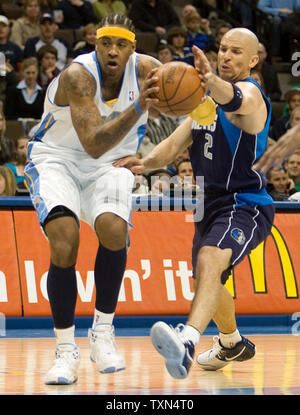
<point>131,95</point>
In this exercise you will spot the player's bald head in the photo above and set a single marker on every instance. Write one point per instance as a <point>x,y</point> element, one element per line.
<point>248,38</point>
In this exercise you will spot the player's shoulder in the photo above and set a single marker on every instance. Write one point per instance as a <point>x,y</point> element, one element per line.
<point>76,76</point>
<point>145,63</point>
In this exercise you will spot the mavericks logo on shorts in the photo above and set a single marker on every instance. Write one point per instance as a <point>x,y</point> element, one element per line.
<point>238,235</point>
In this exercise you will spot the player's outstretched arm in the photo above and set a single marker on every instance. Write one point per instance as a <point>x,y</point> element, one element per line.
<point>96,135</point>
<point>162,154</point>
<point>285,146</point>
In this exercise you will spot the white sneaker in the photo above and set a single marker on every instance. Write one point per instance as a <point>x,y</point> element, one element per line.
<point>103,351</point>
<point>66,363</point>
<point>219,356</point>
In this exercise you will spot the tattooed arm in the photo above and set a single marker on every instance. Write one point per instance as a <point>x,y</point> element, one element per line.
<point>77,89</point>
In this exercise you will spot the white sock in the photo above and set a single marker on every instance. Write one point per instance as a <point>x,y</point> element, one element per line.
<point>231,339</point>
<point>65,335</point>
<point>102,318</point>
<point>190,333</point>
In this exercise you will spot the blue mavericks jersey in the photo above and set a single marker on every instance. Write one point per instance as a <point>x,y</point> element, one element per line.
<point>224,155</point>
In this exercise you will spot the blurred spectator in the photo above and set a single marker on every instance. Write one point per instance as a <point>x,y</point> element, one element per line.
<point>278,11</point>
<point>47,60</point>
<point>184,179</point>
<point>213,60</point>
<point>47,37</point>
<point>8,185</point>
<point>221,29</point>
<point>8,150</point>
<point>159,182</point>
<point>156,16</point>
<point>140,185</point>
<point>17,166</point>
<point>52,6</point>
<point>103,8</point>
<point>177,38</point>
<point>269,74</point>
<point>198,31</point>
<point>77,13</point>
<point>159,126</point>
<point>280,186</point>
<point>187,9</point>
<point>12,52</point>
<point>88,43</point>
<point>2,124</point>
<point>26,26</point>
<point>13,57</point>
<point>292,98</point>
<point>292,166</point>
<point>164,53</point>
<point>27,98</point>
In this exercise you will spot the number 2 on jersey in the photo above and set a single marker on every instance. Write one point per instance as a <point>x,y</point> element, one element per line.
<point>208,145</point>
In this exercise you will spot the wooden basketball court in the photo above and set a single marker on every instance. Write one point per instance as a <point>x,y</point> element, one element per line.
<point>275,370</point>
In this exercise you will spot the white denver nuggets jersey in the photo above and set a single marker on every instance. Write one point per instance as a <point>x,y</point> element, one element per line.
<point>56,137</point>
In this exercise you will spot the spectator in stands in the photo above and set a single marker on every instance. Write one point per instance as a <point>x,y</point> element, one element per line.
<point>2,124</point>
<point>159,126</point>
<point>184,178</point>
<point>26,26</point>
<point>221,29</point>
<point>292,98</point>
<point>198,31</point>
<point>13,58</point>
<point>48,70</point>
<point>187,9</point>
<point>47,37</point>
<point>164,53</point>
<point>86,45</point>
<point>292,166</point>
<point>54,7</point>
<point>212,58</point>
<point>280,186</point>
<point>140,185</point>
<point>159,182</point>
<point>103,8</point>
<point>269,74</point>
<point>27,98</point>
<point>77,13</point>
<point>177,38</point>
<point>12,52</point>
<point>8,185</point>
<point>156,16</point>
<point>20,160</point>
<point>278,11</point>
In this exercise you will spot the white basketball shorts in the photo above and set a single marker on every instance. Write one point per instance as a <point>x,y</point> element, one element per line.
<point>87,194</point>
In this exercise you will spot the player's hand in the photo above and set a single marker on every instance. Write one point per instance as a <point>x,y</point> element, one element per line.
<point>285,146</point>
<point>132,163</point>
<point>203,67</point>
<point>148,90</point>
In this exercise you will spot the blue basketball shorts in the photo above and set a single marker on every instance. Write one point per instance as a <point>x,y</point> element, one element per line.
<point>228,225</point>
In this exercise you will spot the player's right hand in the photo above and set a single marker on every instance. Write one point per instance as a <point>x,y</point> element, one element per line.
<point>132,163</point>
<point>147,98</point>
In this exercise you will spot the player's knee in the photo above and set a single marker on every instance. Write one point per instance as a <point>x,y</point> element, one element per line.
<point>211,262</point>
<point>63,253</point>
<point>112,232</point>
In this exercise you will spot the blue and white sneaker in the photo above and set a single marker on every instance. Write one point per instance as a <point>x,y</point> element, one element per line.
<point>219,356</point>
<point>103,351</point>
<point>178,351</point>
<point>65,368</point>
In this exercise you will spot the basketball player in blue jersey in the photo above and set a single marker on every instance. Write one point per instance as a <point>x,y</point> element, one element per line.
<point>238,212</point>
<point>95,112</point>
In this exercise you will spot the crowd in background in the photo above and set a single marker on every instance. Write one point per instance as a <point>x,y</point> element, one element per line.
<point>48,34</point>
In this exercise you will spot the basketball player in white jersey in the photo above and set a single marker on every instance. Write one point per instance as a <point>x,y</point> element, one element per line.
<point>95,112</point>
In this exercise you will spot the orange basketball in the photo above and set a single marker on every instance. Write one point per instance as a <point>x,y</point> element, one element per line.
<point>180,90</point>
